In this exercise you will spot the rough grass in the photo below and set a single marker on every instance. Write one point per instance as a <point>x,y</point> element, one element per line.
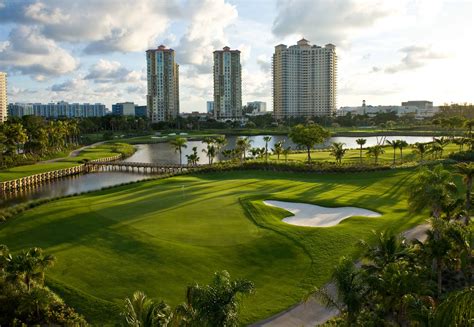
<point>159,236</point>
<point>97,152</point>
<point>353,155</point>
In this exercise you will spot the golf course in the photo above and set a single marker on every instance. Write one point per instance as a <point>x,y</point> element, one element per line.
<point>161,235</point>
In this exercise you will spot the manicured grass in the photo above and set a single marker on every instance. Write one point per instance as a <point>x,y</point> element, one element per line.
<point>354,155</point>
<point>159,236</point>
<point>97,152</point>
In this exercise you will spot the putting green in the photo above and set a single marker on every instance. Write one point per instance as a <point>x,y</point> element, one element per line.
<point>159,236</point>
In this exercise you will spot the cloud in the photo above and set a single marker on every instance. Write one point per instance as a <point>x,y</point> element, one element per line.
<point>325,21</point>
<point>76,84</point>
<point>205,32</point>
<point>102,25</point>
<point>105,71</point>
<point>30,53</point>
<point>264,63</point>
<point>415,57</point>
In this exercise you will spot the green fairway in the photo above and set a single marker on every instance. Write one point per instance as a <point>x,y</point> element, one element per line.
<point>160,236</point>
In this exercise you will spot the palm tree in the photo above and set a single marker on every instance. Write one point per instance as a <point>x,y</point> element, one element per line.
<point>28,267</point>
<point>361,143</point>
<point>395,145</point>
<point>215,304</point>
<point>229,153</point>
<point>350,290</point>
<point>433,189</point>
<point>469,124</point>
<point>456,310</point>
<point>266,139</point>
<point>466,170</point>
<point>338,151</point>
<point>286,152</point>
<point>402,144</point>
<point>179,143</point>
<point>421,149</point>
<point>278,150</point>
<point>243,144</point>
<point>388,248</point>
<point>375,151</point>
<point>141,311</point>
<point>441,142</point>
<point>220,142</point>
<point>210,152</point>
<point>193,158</point>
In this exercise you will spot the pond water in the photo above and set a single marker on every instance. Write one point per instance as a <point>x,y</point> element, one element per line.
<point>162,153</point>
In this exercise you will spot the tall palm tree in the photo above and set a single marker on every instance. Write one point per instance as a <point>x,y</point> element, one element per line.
<point>243,144</point>
<point>286,152</point>
<point>220,142</point>
<point>433,189</point>
<point>361,143</point>
<point>193,158</point>
<point>375,151</point>
<point>395,145</point>
<point>466,170</point>
<point>469,124</point>
<point>179,143</point>
<point>401,145</point>
<point>338,151</point>
<point>266,139</point>
<point>211,152</point>
<point>350,290</point>
<point>141,311</point>
<point>421,149</point>
<point>278,149</point>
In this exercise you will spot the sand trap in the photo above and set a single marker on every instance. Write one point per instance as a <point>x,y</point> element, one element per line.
<point>317,216</point>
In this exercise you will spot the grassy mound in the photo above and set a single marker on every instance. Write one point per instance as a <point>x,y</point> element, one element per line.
<point>159,236</point>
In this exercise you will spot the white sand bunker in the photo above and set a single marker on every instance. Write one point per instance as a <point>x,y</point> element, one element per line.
<point>316,216</point>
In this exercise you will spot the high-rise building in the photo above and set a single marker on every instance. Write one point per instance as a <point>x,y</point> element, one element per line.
<point>227,84</point>
<point>257,106</point>
<point>304,80</point>
<point>210,107</point>
<point>163,84</point>
<point>3,97</point>
<point>123,109</point>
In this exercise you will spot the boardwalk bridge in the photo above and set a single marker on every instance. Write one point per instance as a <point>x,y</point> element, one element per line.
<point>139,167</point>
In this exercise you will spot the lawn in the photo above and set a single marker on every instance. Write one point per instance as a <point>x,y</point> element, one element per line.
<point>354,155</point>
<point>96,152</point>
<point>159,236</point>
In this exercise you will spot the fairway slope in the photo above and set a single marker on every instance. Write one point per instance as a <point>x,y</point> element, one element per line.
<point>160,236</point>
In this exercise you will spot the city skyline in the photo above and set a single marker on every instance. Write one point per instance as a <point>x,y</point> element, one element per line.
<point>387,52</point>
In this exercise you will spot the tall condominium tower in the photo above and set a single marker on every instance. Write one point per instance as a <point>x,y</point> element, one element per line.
<point>163,84</point>
<point>227,84</point>
<point>304,80</point>
<point>3,97</point>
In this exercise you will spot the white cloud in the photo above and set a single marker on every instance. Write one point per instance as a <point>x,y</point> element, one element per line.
<point>105,71</point>
<point>205,32</point>
<point>30,53</point>
<point>415,57</point>
<point>76,84</point>
<point>323,21</point>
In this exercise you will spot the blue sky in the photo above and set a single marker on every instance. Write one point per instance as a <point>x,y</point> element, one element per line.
<point>93,50</point>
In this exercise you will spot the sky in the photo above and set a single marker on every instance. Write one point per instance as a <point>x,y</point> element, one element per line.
<point>94,50</point>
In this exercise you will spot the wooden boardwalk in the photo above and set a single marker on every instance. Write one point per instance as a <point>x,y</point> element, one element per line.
<point>142,167</point>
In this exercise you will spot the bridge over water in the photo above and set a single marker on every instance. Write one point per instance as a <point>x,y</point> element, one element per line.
<point>144,167</point>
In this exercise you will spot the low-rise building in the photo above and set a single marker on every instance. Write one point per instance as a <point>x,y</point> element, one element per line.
<point>421,109</point>
<point>123,109</point>
<point>58,110</point>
